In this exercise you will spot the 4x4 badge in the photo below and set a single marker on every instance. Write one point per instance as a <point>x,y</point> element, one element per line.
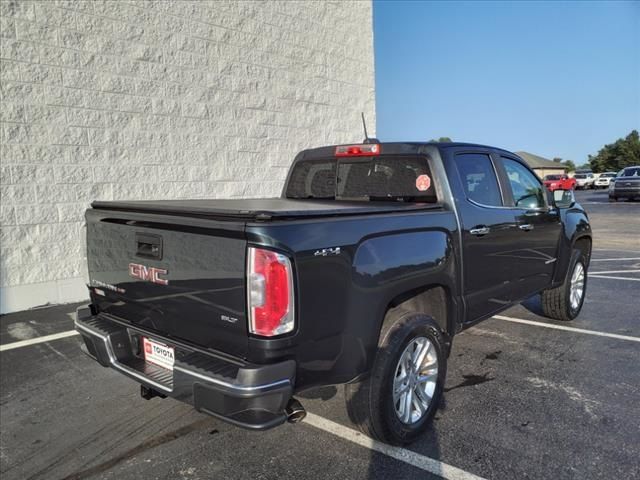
<point>327,251</point>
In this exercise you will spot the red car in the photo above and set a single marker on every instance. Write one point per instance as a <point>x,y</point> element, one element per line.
<point>559,182</point>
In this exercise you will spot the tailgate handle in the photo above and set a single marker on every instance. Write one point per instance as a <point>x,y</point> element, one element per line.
<point>149,246</point>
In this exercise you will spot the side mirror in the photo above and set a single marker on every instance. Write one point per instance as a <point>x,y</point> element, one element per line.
<point>563,198</point>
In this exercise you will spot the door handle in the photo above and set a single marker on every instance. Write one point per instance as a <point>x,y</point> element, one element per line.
<point>149,246</point>
<point>479,231</point>
<point>527,227</point>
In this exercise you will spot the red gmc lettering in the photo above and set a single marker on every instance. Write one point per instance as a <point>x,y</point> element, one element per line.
<point>148,274</point>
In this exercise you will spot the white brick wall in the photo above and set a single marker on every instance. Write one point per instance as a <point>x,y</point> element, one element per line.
<point>160,99</point>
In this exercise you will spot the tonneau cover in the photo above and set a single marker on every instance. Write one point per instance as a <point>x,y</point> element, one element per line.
<point>261,208</point>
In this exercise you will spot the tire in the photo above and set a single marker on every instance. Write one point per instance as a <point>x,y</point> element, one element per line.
<point>370,403</point>
<point>558,303</point>
<point>613,199</point>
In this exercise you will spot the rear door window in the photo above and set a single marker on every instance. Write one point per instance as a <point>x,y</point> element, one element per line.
<point>479,178</point>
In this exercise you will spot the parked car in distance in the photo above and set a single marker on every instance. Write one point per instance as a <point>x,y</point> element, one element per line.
<point>584,180</point>
<point>374,257</point>
<point>604,180</point>
<point>626,184</point>
<point>559,182</point>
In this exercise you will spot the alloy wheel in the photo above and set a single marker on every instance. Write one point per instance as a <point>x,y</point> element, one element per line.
<point>415,379</point>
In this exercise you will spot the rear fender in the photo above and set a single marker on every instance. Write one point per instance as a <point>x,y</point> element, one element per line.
<point>390,268</point>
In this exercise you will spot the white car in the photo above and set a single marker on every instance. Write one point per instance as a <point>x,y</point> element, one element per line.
<point>604,180</point>
<point>584,180</point>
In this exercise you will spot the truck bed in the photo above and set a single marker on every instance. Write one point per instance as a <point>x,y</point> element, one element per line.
<point>261,208</point>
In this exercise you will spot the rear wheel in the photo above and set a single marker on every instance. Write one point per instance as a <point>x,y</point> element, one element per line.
<point>565,301</point>
<point>400,397</point>
<point>613,198</point>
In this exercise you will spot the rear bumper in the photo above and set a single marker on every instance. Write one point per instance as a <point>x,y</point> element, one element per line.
<point>246,395</point>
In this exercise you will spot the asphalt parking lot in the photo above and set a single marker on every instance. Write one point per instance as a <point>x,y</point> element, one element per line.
<point>524,399</point>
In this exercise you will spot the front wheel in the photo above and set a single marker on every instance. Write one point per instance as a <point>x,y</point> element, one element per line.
<point>613,199</point>
<point>400,397</point>
<point>565,302</point>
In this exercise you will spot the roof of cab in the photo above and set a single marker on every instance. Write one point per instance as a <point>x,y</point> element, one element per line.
<point>395,148</point>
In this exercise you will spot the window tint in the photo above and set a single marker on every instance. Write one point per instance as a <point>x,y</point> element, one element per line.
<point>479,178</point>
<point>525,186</point>
<point>386,178</point>
<point>383,178</point>
<point>313,179</point>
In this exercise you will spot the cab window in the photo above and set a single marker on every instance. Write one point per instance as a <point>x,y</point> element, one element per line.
<point>525,186</point>
<point>479,178</point>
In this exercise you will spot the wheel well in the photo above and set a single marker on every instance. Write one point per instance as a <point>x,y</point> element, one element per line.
<point>432,300</point>
<point>584,245</point>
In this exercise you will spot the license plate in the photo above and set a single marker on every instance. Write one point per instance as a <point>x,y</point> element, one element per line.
<point>158,353</point>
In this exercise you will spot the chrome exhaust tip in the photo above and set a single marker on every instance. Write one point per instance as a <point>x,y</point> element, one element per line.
<point>294,411</point>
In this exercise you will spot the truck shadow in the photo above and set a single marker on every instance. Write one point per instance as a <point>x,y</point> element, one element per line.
<point>534,305</point>
<point>320,393</point>
<point>385,461</point>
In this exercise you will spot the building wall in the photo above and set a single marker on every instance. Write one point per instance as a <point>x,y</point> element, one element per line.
<point>160,99</point>
<point>543,172</point>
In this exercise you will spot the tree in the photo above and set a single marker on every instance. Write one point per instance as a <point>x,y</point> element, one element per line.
<point>441,140</point>
<point>567,163</point>
<point>624,152</point>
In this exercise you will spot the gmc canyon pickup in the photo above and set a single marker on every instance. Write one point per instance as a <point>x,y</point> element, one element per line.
<point>374,257</point>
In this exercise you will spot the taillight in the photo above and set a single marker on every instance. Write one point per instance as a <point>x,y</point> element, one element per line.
<point>364,150</point>
<point>269,293</point>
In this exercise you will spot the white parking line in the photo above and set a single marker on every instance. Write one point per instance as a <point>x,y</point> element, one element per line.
<point>613,271</point>
<point>614,259</point>
<point>615,278</point>
<point>34,341</point>
<point>568,329</point>
<point>407,456</point>
<point>600,249</point>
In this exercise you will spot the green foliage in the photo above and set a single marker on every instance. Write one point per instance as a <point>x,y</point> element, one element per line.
<point>624,152</point>
<point>441,139</point>
<point>567,163</point>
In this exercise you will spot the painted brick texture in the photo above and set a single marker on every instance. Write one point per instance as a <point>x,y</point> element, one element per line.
<point>161,99</point>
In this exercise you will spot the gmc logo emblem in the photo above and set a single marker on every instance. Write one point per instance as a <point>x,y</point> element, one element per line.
<point>148,274</point>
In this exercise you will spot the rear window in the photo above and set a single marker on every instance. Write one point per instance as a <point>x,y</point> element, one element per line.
<point>581,175</point>
<point>392,178</point>
<point>553,177</point>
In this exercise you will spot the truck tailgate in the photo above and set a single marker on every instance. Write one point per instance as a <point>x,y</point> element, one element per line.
<point>178,277</point>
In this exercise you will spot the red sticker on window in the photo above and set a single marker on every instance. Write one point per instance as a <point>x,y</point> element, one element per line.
<point>423,182</point>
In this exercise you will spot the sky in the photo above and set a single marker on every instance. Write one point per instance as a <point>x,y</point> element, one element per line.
<point>557,79</point>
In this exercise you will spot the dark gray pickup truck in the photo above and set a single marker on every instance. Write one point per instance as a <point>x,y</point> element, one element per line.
<point>374,257</point>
